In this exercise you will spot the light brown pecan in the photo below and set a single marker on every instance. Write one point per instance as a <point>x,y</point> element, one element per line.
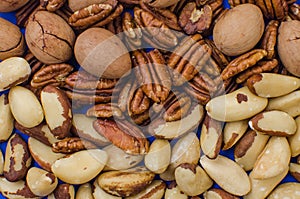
<point>101,13</point>
<point>22,15</point>
<point>133,101</point>
<point>269,38</point>
<point>115,26</point>
<point>155,32</point>
<point>261,66</point>
<point>53,74</point>
<point>188,59</point>
<point>152,74</point>
<point>221,60</point>
<point>124,135</point>
<point>133,33</point>
<point>83,80</point>
<point>71,145</point>
<point>163,14</point>
<point>104,111</point>
<point>243,62</point>
<point>294,11</point>
<point>273,9</point>
<point>234,3</point>
<point>52,5</point>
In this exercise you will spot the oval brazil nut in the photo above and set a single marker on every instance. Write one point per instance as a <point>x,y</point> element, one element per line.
<point>272,84</point>
<point>41,182</point>
<point>13,71</point>
<point>57,110</point>
<point>238,105</point>
<point>289,190</point>
<point>6,118</point>
<point>274,122</point>
<point>17,159</point>
<point>25,107</point>
<point>80,167</point>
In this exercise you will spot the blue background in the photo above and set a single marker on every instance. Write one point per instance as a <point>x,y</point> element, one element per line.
<point>228,153</point>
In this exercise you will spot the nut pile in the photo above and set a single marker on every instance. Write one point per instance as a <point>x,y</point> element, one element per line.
<point>113,93</point>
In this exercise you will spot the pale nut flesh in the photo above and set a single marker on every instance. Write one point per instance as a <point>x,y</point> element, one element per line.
<point>238,105</point>
<point>6,118</point>
<point>13,71</point>
<point>80,167</point>
<point>286,190</point>
<point>294,140</point>
<point>84,192</point>
<point>30,115</point>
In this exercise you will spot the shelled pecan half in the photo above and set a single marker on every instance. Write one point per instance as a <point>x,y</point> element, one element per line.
<point>96,14</point>
<point>152,74</point>
<point>104,110</point>
<point>188,59</point>
<point>124,135</point>
<point>22,15</point>
<point>52,5</point>
<point>294,11</point>
<point>71,145</point>
<point>269,38</point>
<point>273,9</point>
<point>133,34</point>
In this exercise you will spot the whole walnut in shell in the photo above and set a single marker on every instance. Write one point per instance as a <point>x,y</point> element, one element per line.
<point>49,37</point>
<point>289,45</point>
<point>239,29</point>
<point>102,53</point>
<point>11,5</point>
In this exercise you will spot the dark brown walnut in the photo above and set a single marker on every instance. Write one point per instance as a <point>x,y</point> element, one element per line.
<point>64,191</point>
<point>294,11</point>
<point>40,132</point>
<point>54,74</point>
<point>49,37</point>
<point>71,145</point>
<point>57,111</point>
<point>163,14</point>
<point>124,135</point>
<point>243,62</point>
<point>273,9</point>
<point>133,102</point>
<point>52,5</point>
<point>17,159</point>
<point>155,32</point>
<point>188,59</point>
<point>269,39</point>
<point>104,110</point>
<point>96,14</point>
<point>133,34</point>
<point>152,74</point>
<point>175,107</point>
<point>261,66</point>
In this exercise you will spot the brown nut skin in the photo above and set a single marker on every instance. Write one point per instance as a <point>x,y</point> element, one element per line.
<point>11,5</point>
<point>49,37</point>
<point>239,29</point>
<point>12,41</point>
<point>102,54</point>
<point>289,45</point>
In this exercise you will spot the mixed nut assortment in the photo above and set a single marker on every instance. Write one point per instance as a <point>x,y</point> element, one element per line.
<point>134,99</point>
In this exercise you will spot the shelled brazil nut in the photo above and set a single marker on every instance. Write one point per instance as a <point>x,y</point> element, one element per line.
<point>135,99</point>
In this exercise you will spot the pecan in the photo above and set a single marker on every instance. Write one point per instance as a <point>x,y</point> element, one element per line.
<point>294,11</point>
<point>22,15</point>
<point>273,9</point>
<point>115,26</point>
<point>261,66</point>
<point>117,12</point>
<point>221,60</point>
<point>163,14</point>
<point>129,2</point>
<point>134,101</point>
<point>71,145</point>
<point>152,74</point>
<point>155,31</point>
<point>194,20</point>
<point>95,13</point>
<point>133,33</point>
<point>104,111</point>
<point>269,38</point>
<point>234,3</point>
<point>242,63</point>
<point>53,74</point>
<point>188,59</point>
<point>83,80</point>
<point>52,5</point>
<point>124,135</point>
